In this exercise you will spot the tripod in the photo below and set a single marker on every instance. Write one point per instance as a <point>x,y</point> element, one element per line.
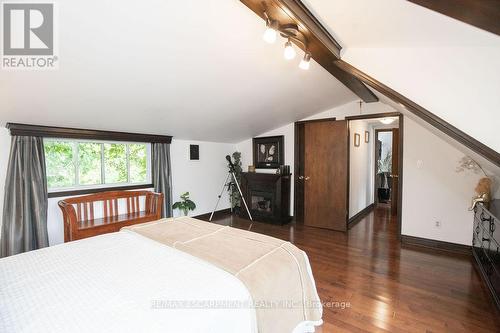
<point>230,183</point>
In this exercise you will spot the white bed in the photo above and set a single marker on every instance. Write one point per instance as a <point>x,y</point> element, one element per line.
<point>107,283</point>
<point>121,282</point>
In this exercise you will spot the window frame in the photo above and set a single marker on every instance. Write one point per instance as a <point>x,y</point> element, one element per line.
<point>88,189</point>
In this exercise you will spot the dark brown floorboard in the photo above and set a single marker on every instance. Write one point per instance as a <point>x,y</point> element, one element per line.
<point>389,288</point>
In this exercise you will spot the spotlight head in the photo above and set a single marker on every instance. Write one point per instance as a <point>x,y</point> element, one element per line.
<point>305,63</point>
<point>271,31</point>
<point>269,35</point>
<point>289,52</point>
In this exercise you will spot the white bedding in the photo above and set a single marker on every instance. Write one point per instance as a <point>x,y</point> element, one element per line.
<point>109,283</point>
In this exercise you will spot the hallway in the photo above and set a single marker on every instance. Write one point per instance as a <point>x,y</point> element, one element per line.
<point>376,285</point>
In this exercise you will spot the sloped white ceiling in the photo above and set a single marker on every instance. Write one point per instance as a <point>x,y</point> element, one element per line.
<point>200,70</point>
<point>447,66</point>
<point>192,69</point>
<point>393,23</point>
<point>492,170</point>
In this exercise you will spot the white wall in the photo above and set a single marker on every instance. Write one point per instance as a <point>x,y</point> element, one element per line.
<point>433,190</point>
<point>351,109</point>
<point>361,170</point>
<point>203,179</point>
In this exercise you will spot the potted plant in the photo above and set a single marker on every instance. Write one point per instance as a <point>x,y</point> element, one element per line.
<point>234,194</point>
<point>383,170</point>
<point>185,205</point>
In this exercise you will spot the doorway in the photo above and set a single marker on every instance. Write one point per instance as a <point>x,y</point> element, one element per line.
<point>387,168</point>
<point>322,189</point>
<point>382,187</point>
<point>321,173</point>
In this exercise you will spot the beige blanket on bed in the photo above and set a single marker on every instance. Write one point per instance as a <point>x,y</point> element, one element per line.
<point>276,273</point>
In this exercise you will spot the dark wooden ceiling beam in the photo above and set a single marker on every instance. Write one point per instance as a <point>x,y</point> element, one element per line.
<point>424,114</point>
<point>321,44</point>
<point>484,14</point>
<point>309,22</point>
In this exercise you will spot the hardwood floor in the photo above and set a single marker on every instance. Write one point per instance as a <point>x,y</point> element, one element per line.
<point>387,287</point>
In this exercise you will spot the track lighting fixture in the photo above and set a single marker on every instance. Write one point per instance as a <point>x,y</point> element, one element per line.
<point>289,52</point>
<point>305,63</point>
<point>291,32</point>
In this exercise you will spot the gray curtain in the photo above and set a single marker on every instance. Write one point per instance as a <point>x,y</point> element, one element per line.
<point>24,219</point>
<point>162,175</point>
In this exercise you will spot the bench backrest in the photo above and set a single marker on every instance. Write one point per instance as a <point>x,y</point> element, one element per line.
<point>129,206</point>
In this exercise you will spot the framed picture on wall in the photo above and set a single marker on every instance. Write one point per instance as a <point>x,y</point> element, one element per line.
<point>367,136</point>
<point>357,140</point>
<point>268,152</point>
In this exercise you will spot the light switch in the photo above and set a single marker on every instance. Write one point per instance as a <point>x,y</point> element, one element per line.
<point>420,164</point>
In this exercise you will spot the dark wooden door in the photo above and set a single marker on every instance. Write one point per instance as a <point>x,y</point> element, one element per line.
<point>325,174</point>
<point>395,171</point>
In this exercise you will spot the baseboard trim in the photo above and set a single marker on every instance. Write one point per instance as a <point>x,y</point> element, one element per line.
<point>437,245</point>
<point>359,216</point>
<point>206,216</point>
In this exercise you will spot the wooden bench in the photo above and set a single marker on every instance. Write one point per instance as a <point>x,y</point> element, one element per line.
<point>81,222</point>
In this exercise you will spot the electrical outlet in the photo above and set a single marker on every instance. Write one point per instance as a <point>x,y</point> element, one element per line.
<point>438,224</point>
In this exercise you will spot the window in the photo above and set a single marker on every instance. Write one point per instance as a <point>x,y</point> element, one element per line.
<point>80,164</point>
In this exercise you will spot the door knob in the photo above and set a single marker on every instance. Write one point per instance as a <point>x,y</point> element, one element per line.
<point>307,178</point>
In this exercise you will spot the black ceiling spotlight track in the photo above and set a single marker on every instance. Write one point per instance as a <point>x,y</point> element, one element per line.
<point>291,33</point>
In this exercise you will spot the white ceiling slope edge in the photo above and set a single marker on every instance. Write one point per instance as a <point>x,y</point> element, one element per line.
<point>143,66</point>
<point>449,67</point>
